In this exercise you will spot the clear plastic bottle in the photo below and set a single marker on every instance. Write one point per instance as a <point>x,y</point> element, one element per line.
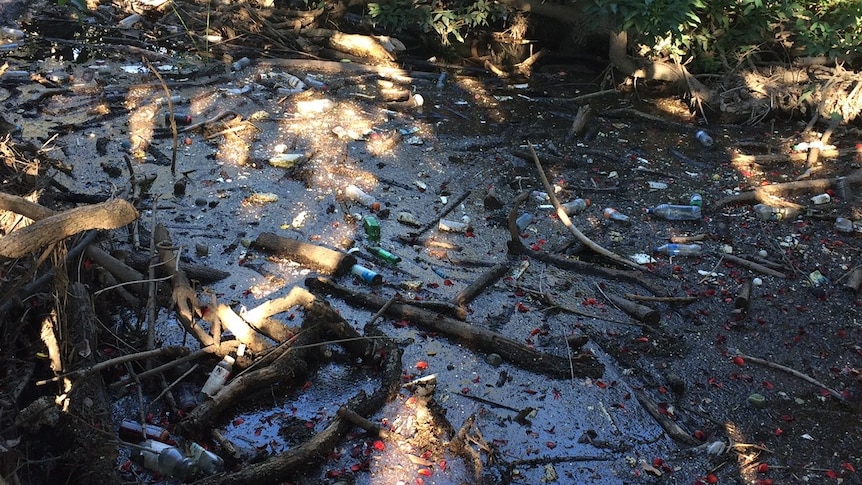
<point>672,212</point>
<point>842,224</point>
<point>205,462</point>
<point>575,206</point>
<point>679,249</point>
<point>615,215</point>
<point>218,377</point>
<point>162,458</point>
<point>358,195</point>
<point>703,137</point>
<point>768,213</point>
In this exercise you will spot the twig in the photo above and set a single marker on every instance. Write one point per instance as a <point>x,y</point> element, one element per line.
<point>793,372</point>
<point>561,213</point>
<point>662,299</point>
<point>488,402</point>
<point>754,266</point>
<point>172,350</point>
<point>446,210</point>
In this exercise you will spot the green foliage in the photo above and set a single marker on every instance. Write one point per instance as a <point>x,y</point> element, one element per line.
<point>447,19</point>
<point>723,32</point>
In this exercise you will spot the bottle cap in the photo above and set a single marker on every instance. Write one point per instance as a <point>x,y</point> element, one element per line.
<point>230,360</point>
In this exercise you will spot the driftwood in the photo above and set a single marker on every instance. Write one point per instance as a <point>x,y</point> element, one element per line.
<point>183,295</point>
<point>580,122</point>
<point>241,330</point>
<point>325,260</point>
<point>484,280</point>
<point>743,296</point>
<point>639,312</point>
<point>363,46</point>
<point>107,215</point>
<point>753,266</point>
<point>472,335</point>
<point>118,269</point>
<point>89,406</point>
<point>140,261</point>
<point>672,429</point>
<point>764,192</point>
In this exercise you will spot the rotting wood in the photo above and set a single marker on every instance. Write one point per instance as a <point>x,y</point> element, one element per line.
<point>564,218</point>
<point>743,296</point>
<point>477,337</point>
<point>484,280</point>
<point>641,313</point>
<point>517,247</point>
<point>322,259</point>
<point>673,430</point>
<point>183,295</point>
<point>107,215</point>
<point>580,122</point>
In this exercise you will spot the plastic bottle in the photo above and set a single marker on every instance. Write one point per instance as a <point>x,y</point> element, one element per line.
<point>358,195</point>
<point>204,461</point>
<point>671,212</point>
<point>453,226</point>
<point>575,206</point>
<point>769,213</point>
<point>218,376</point>
<point>241,64</point>
<point>696,199</point>
<point>162,458</point>
<point>523,221</point>
<point>679,249</point>
<point>384,254</point>
<point>704,138</point>
<point>366,274</point>
<point>615,215</point>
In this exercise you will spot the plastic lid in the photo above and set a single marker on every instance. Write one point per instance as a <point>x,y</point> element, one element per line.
<point>588,201</point>
<point>230,360</point>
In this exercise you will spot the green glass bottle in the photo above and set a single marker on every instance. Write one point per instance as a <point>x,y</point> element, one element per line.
<point>384,254</point>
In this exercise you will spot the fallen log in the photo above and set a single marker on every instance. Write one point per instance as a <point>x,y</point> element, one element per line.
<point>484,280</point>
<point>196,272</point>
<point>107,215</point>
<point>322,259</point>
<point>474,336</point>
